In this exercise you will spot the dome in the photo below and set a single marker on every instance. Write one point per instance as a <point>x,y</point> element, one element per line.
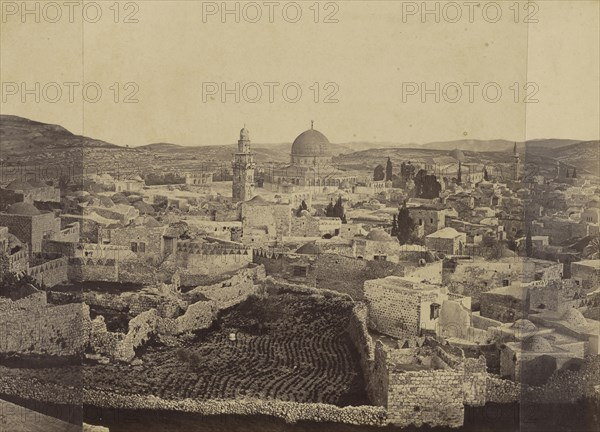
<point>537,344</point>
<point>458,155</point>
<point>258,201</point>
<point>244,133</point>
<point>310,248</point>
<point>524,324</point>
<point>310,143</point>
<point>18,185</point>
<point>575,318</point>
<point>378,234</point>
<point>22,208</point>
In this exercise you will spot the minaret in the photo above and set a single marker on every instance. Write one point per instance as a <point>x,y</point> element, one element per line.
<point>243,169</point>
<point>516,164</point>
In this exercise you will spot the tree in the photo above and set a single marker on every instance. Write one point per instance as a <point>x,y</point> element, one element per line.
<point>486,176</point>
<point>329,210</point>
<point>405,226</point>
<point>388,170</point>
<point>378,173</point>
<point>528,244</point>
<point>338,210</point>
<point>459,174</point>
<point>395,227</point>
<point>574,174</point>
<point>427,186</point>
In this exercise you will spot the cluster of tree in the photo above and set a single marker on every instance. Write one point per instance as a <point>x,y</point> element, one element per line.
<point>153,179</point>
<point>336,210</point>
<point>426,185</point>
<point>386,173</point>
<point>403,227</point>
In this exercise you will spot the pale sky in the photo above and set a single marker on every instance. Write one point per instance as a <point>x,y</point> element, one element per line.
<point>375,54</point>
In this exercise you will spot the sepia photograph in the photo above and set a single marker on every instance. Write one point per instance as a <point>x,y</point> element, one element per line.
<point>299,216</point>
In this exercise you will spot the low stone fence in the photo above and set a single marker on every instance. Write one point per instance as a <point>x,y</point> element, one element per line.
<point>291,412</point>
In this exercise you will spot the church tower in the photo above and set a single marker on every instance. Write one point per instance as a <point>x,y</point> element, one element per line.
<point>243,169</point>
<point>516,164</point>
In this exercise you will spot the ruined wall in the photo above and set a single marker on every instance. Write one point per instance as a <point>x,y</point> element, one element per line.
<point>344,274</point>
<point>31,326</point>
<point>229,293</point>
<point>503,307</point>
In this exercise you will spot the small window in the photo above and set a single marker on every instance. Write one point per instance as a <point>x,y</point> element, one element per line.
<point>434,311</point>
<point>300,271</point>
<point>431,220</point>
<point>380,257</point>
<point>505,282</point>
<point>142,247</point>
<point>134,247</point>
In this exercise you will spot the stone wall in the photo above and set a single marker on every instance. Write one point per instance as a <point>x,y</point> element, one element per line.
<point>51,273</point>
<point>32,327</point>
<point>339,273</point>
<point>81,270</point>
<point>234,290</point>
<point>431,391</point>
<point>291,412</point>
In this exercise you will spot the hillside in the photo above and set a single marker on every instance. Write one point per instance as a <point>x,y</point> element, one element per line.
<point>19,136</point>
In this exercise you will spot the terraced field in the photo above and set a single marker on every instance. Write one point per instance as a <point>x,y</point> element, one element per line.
<point>288,347</point>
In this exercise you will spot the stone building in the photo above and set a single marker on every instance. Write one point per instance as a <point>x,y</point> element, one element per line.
<point>198,178</point>
<point>134,184</point>
<point>535,348</point>
<point>447,241</point>
<point>377,245</point>
<point>431,217</point>
<point>265,222</point>
<point>243,169</point>
<point>29,191</point>
<point>428,384</point>
<point>402,307</point>
<point>586,274</point>
<point>146,237</point>
<point>310,166</point>
<point>29,224</point>
<point>307,225</point>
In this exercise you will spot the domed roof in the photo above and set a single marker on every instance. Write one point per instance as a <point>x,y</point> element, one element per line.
<point>309,248</point>
<point>258,201</point>
<point>379,234</point>
<point>310,143</point>
<point>537,344</point>
<point>524,324</point>
<point>458,155</point>
<point>24,209</point>
<point>17,185</point>
<point>575,318</point>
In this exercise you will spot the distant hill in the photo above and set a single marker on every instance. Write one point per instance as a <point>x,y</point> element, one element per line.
<point>584,155</point>
<point>35,141</point>
<point>19,136</point>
